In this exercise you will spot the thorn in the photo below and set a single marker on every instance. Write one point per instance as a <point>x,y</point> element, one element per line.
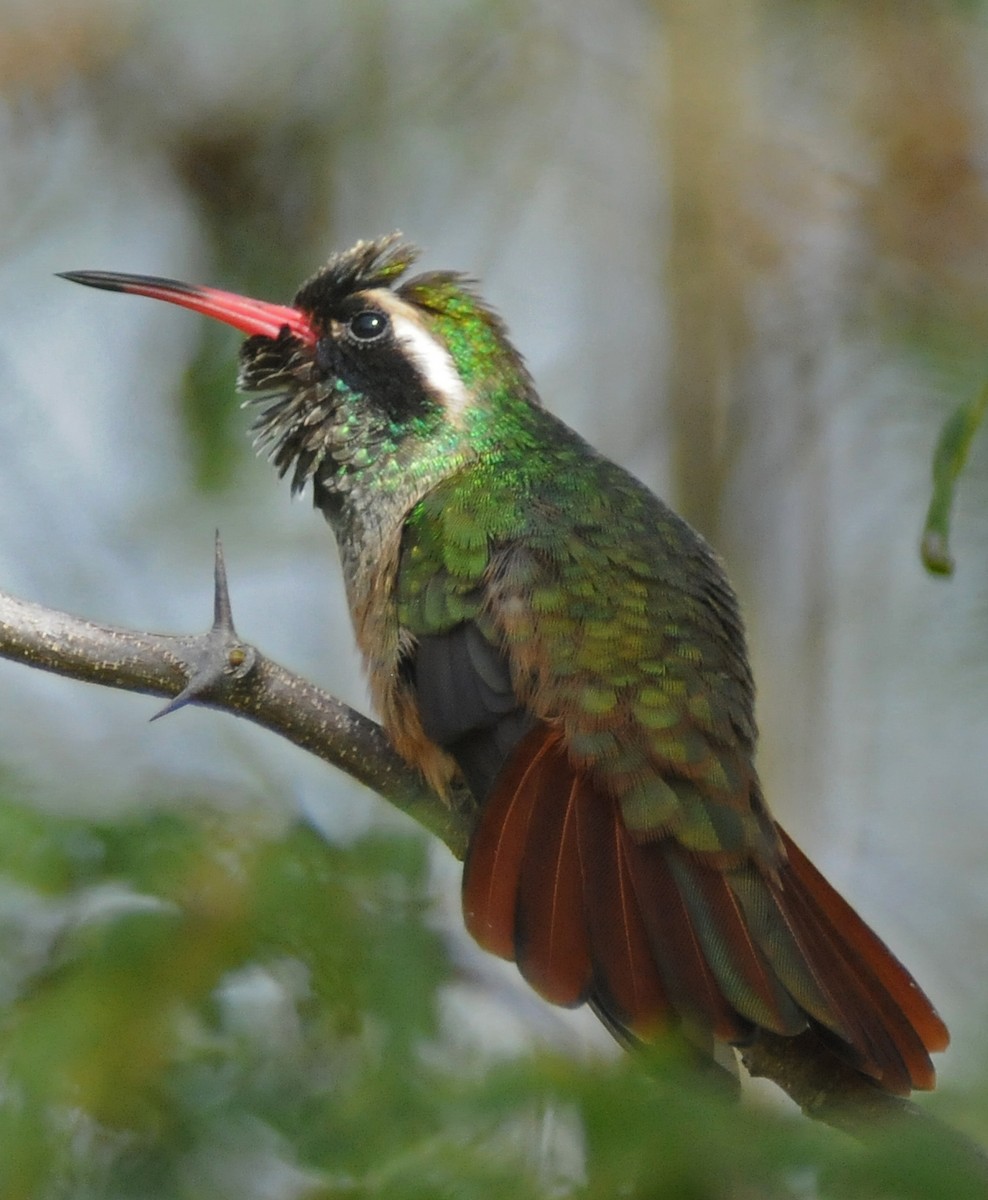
<point>222,609</point>
<point>218,656</point>
<point>185,696</point>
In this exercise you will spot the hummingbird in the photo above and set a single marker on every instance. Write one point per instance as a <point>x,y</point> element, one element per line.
<point>540,628</point>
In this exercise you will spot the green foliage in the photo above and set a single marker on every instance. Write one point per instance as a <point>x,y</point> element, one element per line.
<point>211,411</point>
<point>163,939</point>
<point>949,459</point>
<point>194,1011</point>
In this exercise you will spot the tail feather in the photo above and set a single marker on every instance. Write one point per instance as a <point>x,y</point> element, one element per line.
<point>678,952</point>
<point>796,959</point>
<point>739,963</point>
<point>876,1037</point>
<point>894,1027</point>
<point>869,948</point>
<point>627,988</point>
<point>552,946</point>
<point>651,933</point>
<point>494,861</point>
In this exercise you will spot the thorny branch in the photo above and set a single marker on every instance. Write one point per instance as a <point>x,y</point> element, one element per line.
<point>219,670</point>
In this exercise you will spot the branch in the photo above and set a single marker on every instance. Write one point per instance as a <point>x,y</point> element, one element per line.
<point>829,1090</point>
<point>218,670</point>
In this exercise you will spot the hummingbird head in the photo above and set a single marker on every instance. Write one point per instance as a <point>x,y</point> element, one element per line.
<point>364,377</point>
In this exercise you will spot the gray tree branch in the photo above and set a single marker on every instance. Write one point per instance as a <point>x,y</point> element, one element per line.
<point>219,670</point>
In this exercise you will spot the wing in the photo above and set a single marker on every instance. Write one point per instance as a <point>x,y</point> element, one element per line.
<point>590,679</point>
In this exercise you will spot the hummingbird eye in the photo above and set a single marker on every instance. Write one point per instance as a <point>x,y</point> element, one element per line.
<point>368,325</point>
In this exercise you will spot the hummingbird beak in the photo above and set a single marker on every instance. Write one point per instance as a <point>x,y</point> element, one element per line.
<point>249,316</point>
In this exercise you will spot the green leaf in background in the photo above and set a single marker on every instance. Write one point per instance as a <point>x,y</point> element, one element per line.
<point>183,1001</point>
<point>191,1008</point>
<point>948,462</point>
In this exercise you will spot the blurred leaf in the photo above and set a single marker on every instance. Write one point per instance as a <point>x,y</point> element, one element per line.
<point>47,855</point>
<point>211,409</point>
<point>215,1014</point>
<point>949,458</point>
<point>924,1165</point>
<point>166,1018</point>
<point>354,916</point>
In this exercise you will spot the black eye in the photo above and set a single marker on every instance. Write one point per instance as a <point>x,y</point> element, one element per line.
<point>368,326</point>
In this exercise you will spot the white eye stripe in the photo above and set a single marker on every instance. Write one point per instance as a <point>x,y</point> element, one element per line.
<point>427,354</point>
<point>434,363</point>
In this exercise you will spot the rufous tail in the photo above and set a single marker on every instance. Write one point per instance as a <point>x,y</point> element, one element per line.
<point>653,936</point>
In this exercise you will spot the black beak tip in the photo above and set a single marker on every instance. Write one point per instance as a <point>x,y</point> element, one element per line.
<point>96,279</point>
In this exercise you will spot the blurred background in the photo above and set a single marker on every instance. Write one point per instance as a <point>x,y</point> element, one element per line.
<point>743,245</point>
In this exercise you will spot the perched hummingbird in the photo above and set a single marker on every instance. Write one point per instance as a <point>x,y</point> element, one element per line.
<point>537,624</point>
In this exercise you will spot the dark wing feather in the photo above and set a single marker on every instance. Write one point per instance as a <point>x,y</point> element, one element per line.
<point>467,703</point>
